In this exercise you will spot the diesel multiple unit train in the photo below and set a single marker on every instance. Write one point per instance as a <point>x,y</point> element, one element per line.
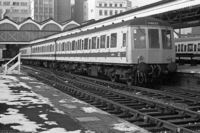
<point>136,51</point>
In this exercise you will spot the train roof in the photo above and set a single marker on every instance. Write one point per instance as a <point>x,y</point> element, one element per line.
<point>187,39</point>
<point>145,21</point>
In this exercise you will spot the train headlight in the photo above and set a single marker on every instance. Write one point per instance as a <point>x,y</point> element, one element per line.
<point>140,58</point>
<point>169,59</point>
<point>172,67</point>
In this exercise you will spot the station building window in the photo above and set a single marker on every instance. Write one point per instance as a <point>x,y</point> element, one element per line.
<point>116,11</point>
<point>111,12</point>
<point>24,4</point>
<point>105,12</point>
<point>6,3</point>
<point>100,12</point>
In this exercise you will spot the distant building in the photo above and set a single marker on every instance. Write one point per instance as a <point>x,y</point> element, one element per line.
<point>97,9</point>
<point>78,11</point>
<point>59,10</point>
<point>62,11</point>
<point>16,10</point>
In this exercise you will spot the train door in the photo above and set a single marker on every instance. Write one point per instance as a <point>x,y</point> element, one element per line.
<point>138,45</point>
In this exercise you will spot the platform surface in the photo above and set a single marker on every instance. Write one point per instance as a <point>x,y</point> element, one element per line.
<point>27,105</point>
<point>189,69</point>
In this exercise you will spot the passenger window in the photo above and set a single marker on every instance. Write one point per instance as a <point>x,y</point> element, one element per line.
<point>181,47</point>
<point>82,44</point>
<point>185,48</point>
<point>139,36</point>
<point>89,43</point>
<point>102,41</point>
<point>124,40</point>
<point>198,46</point>
<point>63,46</point>
<point>86,43</point>
<point>73,45</point>
<point>176,48</point>
<point>108,41</point>
<point>190,47</point>
<point>98,43</point>
<point>153,38</point>
<point>195,47</point>
<point>167,40</point>
<point>94,43</point>
<point>113,40</point>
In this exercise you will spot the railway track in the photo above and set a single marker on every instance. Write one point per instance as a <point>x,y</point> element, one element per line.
<point>124,102</point>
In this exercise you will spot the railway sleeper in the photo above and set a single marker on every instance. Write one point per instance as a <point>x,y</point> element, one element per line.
<point>184,121</point>
<point>171,116</point>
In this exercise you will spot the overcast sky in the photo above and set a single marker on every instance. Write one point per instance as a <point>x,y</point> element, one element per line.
<point>143,2</point>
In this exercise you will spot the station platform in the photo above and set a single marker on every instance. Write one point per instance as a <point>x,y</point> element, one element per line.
<point>27,105</point>
<point>189,69</point>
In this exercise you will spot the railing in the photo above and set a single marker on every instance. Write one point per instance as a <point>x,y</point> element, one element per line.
<point>8,70</point>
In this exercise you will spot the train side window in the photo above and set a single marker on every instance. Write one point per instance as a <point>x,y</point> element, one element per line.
<point>176,48</point>
<point>185,48</point>
<point>73,44</point>
<point>181,47</point>
<point>198,46</point>
<point>94,42</point>
<point>167,39</point>
<point>139,37</point>
<point>82,45</point>
<point>86,43</point>
<point>70,46</point>
<point>102,41</point>
<point>195,47</point>
<point>98,43</point>
<point>153,38</point>
<point>89,43</point>
<point>124,40</point>
<point>113,40</point>
<point>63,46</point>
<point>190,47</point>
<point>108,41</point>
<point>79,44</point>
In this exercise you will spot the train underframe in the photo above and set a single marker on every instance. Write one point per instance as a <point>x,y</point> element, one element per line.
<point>134,74</point>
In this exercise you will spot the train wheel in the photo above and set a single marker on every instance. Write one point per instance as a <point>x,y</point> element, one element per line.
<point>113,77</point>
<point>129,80</point>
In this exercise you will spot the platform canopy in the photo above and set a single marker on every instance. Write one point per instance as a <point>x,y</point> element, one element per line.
<point>29,30</point>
